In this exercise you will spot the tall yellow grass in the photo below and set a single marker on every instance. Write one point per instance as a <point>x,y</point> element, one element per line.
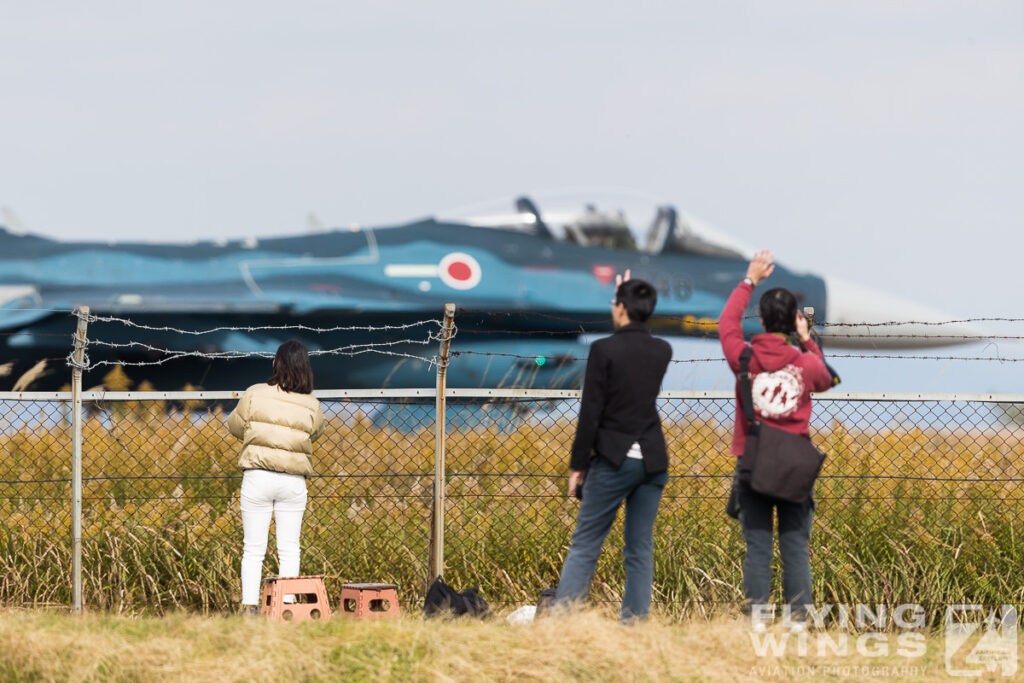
<point>161,527</point>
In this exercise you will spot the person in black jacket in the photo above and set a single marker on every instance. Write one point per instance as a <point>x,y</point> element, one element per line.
<point>619,451</point>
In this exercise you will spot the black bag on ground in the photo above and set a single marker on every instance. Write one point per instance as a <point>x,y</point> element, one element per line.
<point>443,599</point>
<point>775,462</point>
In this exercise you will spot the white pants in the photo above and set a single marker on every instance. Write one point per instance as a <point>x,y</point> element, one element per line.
<point>264,494</point>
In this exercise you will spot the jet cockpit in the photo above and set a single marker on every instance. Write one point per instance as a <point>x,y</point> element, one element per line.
<point>587,223</point>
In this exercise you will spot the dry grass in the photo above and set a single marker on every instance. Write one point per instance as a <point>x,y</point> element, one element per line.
<point>37,371</point>
<point>589,646</point>
<point>161,528</point>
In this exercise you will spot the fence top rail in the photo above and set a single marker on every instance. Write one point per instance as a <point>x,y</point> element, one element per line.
<point>539,394</point>
<point>866,396</point>
<point>204,395</point>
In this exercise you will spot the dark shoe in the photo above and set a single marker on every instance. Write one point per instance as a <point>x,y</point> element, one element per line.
<point>546,602</point>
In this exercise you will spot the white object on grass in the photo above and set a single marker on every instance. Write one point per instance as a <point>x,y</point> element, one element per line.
<point>523,615</point>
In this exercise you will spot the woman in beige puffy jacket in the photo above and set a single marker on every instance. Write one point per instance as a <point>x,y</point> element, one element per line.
<point>277,423</point>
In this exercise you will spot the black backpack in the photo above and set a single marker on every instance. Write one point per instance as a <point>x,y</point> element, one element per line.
<point>443,599</point>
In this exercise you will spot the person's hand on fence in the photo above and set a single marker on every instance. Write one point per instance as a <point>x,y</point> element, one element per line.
<point>761,266</point>
<point>576,478</point>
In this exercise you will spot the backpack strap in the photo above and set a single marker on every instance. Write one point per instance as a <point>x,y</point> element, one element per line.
<point>746,393</point>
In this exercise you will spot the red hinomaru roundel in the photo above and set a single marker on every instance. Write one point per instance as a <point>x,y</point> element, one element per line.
<point>459,271</point>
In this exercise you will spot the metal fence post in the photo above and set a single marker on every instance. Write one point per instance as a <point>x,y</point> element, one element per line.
<point>77,363</point>
<point>436,559</point>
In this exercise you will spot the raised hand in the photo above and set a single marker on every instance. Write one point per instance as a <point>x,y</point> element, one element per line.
<point>619,279</point>
<point>761,266</point>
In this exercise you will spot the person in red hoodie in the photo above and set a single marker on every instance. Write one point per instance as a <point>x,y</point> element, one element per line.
<point>782,376</point>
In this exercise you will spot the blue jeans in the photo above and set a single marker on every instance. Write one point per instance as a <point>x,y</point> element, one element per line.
<point>794,534</point>
<point>604,489</point>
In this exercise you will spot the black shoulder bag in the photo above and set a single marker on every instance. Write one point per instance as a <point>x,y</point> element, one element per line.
<point>775,462</point>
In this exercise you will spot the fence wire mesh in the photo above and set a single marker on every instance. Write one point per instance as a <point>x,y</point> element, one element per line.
<point>35,501</point>
<point>917,502</point>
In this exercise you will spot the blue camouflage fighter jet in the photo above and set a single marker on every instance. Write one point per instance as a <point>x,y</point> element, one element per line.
<point>531,288</point>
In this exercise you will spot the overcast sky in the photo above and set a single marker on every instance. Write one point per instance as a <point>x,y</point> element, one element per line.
<point>877,141</point>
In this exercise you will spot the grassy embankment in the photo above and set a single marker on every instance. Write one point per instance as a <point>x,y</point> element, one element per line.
<point>39,646</point>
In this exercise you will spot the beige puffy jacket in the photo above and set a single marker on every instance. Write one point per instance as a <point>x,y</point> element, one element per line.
<point>277,429</point>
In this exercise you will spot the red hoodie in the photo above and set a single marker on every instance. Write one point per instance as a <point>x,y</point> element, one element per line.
<point>782,376</point>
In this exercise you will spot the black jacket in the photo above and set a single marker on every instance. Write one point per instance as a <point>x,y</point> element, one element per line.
<point>619,403</point>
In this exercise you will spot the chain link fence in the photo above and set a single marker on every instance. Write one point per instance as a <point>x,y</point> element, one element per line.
<point>35,502</point>
<point>918,500</point>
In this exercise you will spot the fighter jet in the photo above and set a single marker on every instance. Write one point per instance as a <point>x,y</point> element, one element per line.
<point>529,284</point>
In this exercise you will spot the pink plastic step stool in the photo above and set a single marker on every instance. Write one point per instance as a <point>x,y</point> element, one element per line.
<point>363,600</point>
<point>310,598</point>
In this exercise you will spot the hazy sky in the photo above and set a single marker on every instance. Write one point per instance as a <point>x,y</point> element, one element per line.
<point>877,141</point>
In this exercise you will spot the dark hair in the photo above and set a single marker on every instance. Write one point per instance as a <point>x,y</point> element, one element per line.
<point>778,311</point>
<point>291,368</point>
<point>639,298</point>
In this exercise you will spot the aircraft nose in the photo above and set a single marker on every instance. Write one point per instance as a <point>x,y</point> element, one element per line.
<point>854,313</point>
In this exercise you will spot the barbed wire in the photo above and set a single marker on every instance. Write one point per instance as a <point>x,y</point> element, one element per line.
<point>864,337</point>
<point>262,328</point>
<point>537,314</point>
<point>533,314</point>
<point>563,358</point>
<point>390,348</point>
<point>349,350</point>
<point>712,324</point>
<point>719,359</point>
<point>891,323</point>
<point>892,356</point>
<point>549,333</point>
<point>257,354</point>
<point>76,364</point>
<point>976,337</point>
<point>514,355</point>
<point>385,348</point>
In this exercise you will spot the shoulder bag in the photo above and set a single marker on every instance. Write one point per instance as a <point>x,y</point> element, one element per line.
<point>775,462</point>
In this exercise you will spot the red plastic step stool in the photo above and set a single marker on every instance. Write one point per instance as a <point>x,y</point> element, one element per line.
<point>310,604</point>
<point>362,600</point>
